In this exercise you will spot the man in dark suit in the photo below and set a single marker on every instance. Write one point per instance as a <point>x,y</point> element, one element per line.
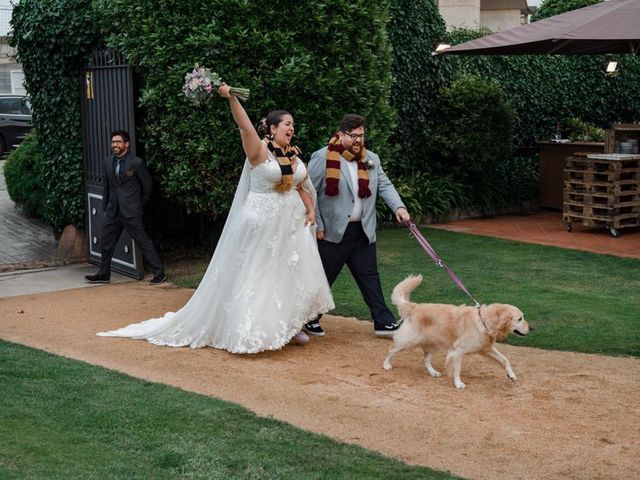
<point>127,188</point>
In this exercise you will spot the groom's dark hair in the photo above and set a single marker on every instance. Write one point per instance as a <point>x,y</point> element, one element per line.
<point>351,121</point>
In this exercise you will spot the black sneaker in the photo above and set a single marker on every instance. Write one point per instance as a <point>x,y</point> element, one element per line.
<point>313,328</point>
<point>158,279</point>
<point>386,330</point>
<point>98,278</point>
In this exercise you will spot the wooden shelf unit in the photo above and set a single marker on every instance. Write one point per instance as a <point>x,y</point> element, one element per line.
<point>620,132</point>
<point>602,190</point>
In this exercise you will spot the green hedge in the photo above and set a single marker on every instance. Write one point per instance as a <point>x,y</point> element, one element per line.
<point>52,38</point>
<point>455,133</point>
<point>415,26</point>
<point>547,89</point>
<point>24,175</point>
<point>280,50</point>
<point>318,59</point>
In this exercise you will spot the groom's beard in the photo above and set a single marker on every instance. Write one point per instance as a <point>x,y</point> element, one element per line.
<point>355,148</point>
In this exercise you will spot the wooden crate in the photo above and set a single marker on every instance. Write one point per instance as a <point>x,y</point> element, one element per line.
<point>602,190</point>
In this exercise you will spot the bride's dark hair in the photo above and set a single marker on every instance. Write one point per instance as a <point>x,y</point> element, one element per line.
<point>273,118</point>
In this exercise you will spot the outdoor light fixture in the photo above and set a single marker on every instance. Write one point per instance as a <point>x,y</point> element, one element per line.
<point>612,67</point>
<point>441,47</point>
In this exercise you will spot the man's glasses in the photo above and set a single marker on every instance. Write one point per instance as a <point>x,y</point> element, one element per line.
<point>355,136</point>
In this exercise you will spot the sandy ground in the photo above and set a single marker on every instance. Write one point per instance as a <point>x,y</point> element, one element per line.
<point>569,415</point>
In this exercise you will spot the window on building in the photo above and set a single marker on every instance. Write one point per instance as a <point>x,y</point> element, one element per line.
<point>17,82</point>
<point>5,81</point>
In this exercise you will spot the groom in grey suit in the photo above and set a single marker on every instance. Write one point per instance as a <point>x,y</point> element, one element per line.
<point>348,178</point>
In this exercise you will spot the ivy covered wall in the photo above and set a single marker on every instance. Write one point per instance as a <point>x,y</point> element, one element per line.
<point>52,38</point>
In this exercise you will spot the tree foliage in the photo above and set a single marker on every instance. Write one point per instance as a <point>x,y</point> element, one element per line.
<point>549,8</point>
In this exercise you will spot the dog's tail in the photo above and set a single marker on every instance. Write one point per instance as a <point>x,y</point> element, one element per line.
<point>401,292</point>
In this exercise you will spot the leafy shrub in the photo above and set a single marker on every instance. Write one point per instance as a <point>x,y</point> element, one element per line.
<point>580,131</point>
<point>24,175</point>
<point>320,61</point>
<point>426,197</point>
<point>478,133</point>
<point>476,145</point>
<point>513,182</point>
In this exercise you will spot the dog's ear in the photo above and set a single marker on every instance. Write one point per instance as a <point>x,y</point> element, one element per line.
<point>499,321</point>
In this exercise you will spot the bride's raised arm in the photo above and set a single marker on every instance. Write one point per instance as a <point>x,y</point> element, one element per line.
<point>255,149</point>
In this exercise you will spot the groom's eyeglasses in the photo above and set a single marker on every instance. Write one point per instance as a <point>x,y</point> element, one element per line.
<point>355,136</point>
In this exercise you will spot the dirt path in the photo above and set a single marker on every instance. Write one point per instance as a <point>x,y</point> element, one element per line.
<point>569,415</point>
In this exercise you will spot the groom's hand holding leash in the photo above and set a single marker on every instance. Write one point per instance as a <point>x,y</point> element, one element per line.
<point>402,215</point>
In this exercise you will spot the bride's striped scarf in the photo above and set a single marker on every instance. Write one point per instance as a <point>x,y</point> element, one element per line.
<point>285,158</point>
<point>334,151</point>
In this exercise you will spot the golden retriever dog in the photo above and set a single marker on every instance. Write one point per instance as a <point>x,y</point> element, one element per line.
<point>458,329</point>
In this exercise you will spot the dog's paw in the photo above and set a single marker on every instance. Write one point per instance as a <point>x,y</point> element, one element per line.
<point>511,375</point>
<point>386,365</point>
<point>459,385</point>
<point>434,373</point>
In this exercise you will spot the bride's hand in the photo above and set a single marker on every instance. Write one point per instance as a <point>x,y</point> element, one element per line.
<point>223,90</point>
<point>310,218</point>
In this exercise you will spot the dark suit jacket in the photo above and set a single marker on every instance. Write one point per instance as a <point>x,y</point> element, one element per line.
<point>131,192</point>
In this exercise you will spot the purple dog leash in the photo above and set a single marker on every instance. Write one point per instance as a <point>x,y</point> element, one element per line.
<point>438,261</point>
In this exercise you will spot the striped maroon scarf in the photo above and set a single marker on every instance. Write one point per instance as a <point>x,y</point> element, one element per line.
<point>335,150</point>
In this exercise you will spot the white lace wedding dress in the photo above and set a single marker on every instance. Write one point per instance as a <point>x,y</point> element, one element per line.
<point>264,281</point>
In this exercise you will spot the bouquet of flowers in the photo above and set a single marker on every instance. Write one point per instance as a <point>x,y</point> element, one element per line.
<point>199,83</point>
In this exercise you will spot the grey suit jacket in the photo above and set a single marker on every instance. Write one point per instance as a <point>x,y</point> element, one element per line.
<point>131,192</point>
<point>332,213</point>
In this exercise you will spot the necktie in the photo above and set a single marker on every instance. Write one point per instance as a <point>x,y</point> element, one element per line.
<point>118,170</point>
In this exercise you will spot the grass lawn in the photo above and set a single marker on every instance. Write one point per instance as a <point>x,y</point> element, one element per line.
<point>61,418</point>
<point>577,301</point>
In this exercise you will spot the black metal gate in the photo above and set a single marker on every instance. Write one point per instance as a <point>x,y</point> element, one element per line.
<point>107,105</point>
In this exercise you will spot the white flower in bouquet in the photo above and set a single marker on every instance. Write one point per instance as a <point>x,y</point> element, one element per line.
<point>201,82</point>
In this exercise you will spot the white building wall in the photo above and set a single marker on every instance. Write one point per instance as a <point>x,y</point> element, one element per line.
<point>11,76</point>
<point>5,18</point>
<point>460,13</point>
<point>498,20</point>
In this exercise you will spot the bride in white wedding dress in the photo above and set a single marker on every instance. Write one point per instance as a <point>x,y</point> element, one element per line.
<point>265,279</point>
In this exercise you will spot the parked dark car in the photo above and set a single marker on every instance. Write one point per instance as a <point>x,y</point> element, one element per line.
<point>15,121</point>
